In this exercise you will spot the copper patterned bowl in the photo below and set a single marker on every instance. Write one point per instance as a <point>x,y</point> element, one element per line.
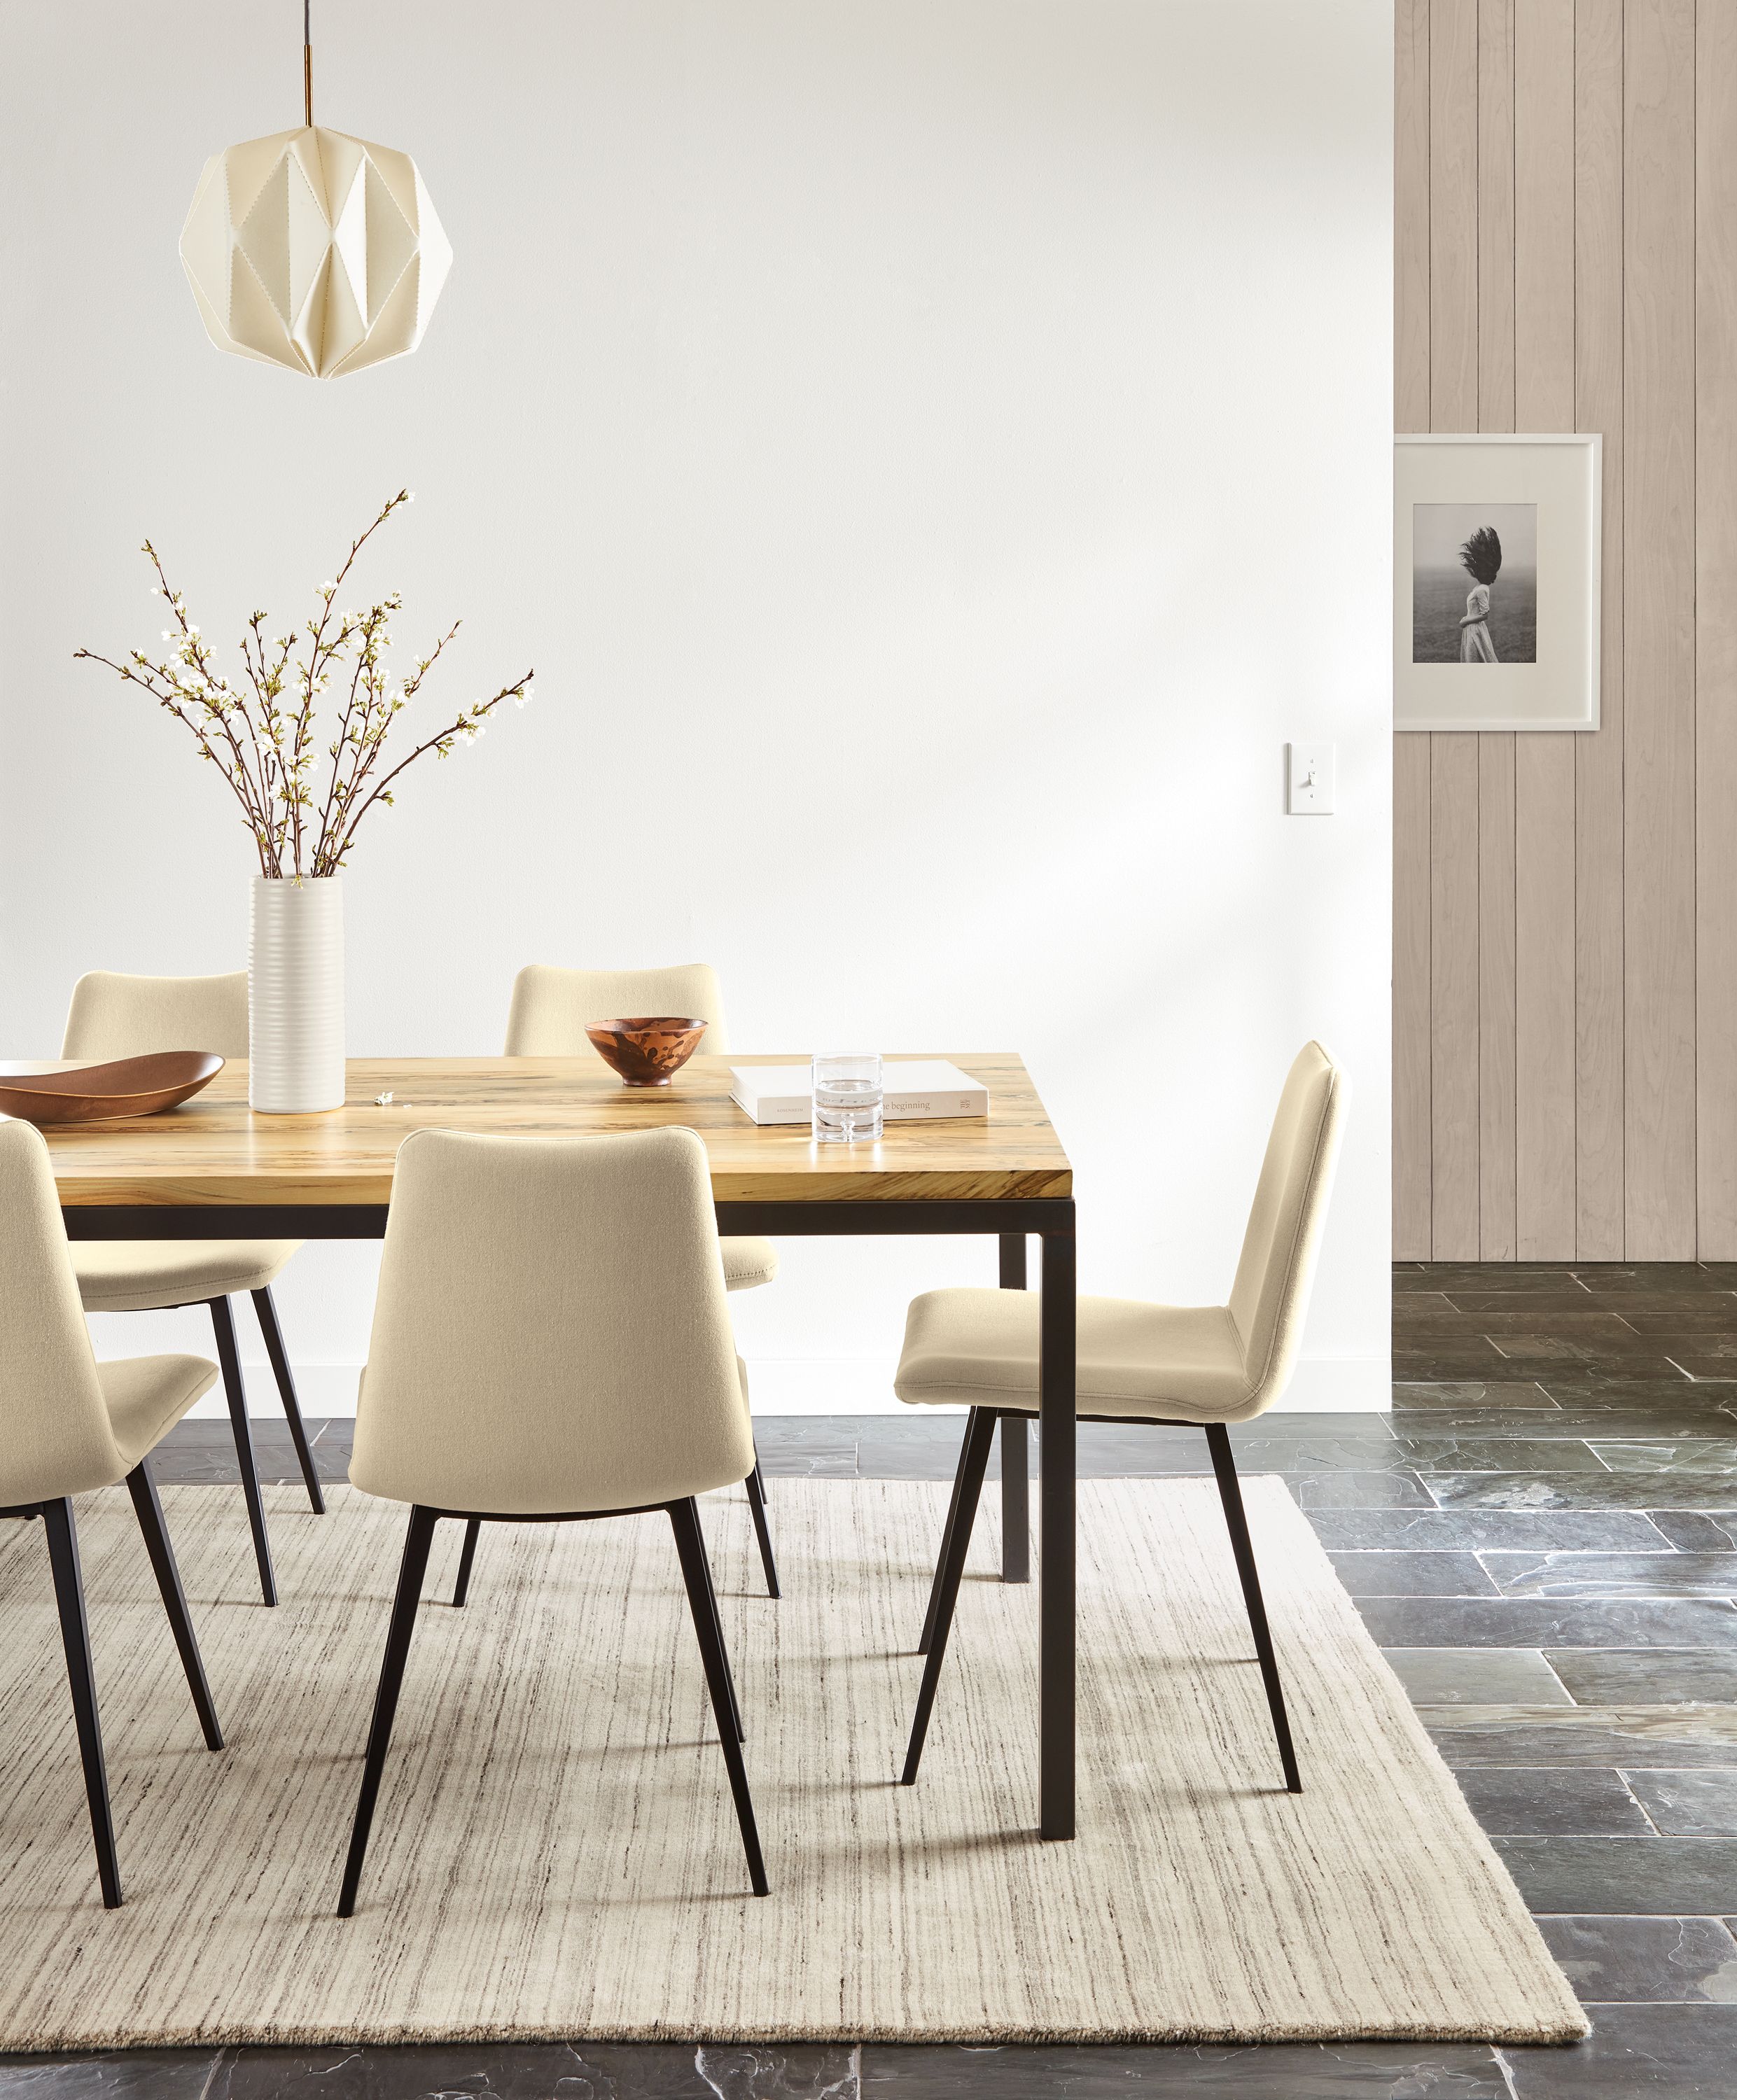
<point>649,1050</point>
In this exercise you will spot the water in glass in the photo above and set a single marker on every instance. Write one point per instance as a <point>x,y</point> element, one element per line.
<point>847,1097</point>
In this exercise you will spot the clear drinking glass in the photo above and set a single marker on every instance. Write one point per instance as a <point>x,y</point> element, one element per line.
<point>847,1097</point>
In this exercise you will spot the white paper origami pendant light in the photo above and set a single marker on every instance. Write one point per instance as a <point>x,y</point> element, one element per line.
<point>313,249</point>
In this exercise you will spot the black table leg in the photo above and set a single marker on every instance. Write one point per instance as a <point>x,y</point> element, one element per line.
<point>1056,1516</point>
<point>1016,1443</point>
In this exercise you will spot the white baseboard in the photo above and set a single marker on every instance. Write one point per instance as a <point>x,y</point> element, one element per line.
<point>842,1385</point>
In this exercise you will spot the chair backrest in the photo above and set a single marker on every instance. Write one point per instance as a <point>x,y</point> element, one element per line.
<point>552,1007</point>
<point>115,1016</point>
<point>1270,1296</point>
<point>55,1434</point>
<point>551,1332</point>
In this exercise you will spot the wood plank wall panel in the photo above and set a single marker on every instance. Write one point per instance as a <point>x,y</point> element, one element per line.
<point>1658,627</point>
<point>1453,767</point>
<point>1599,760</point>
<point>1715,626</point>
<point>1411,1236</point>
<point>1496,754</point>
<point>1565,906</point>
<point>1544,766</point>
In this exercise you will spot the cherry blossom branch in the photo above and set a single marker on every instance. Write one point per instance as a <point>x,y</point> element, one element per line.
<point>265,752</point>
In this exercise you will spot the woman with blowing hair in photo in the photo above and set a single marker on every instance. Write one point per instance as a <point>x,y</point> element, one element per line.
<point>1481,557</point>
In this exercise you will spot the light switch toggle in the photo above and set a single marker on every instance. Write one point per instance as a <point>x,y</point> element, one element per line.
<point>1309,779</point>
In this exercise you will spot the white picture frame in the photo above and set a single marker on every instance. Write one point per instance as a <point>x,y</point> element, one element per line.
<point>1541,495</point>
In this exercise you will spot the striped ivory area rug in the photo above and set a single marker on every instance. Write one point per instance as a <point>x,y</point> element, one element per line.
<point>555,1855</point>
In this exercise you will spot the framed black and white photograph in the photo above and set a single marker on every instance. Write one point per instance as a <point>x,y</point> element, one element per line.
<point>1495,582</point>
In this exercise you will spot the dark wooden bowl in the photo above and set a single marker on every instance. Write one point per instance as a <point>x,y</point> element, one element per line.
<point>649,1050</point>
<point>99,1093</point>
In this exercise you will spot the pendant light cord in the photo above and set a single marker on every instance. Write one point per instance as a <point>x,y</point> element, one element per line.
<point>307,64</point>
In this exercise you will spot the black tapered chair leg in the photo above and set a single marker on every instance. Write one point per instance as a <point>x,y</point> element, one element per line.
<point>149,1511</point>
<point>712,1606</point>
<point>1231,1494</point>
<point>223,1320</point>
<point>274,1348</point>
<point>974,1463</point>
<point>690,1544</point>
<point>466,1558</point>
<point>757,1504</point>
<point>75,1637</point>
<point>947,1532</point>
<point>418,1540</point>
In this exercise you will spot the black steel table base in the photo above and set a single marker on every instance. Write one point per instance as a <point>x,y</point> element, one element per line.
<point>1010,1219</point>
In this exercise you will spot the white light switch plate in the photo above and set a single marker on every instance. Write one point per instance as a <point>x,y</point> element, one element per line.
<point>1309,779</point>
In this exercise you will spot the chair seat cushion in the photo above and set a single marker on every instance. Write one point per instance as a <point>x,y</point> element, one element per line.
<point>142,1276</point>
<point>979,1349</point>
<point>147,1395</point>
<point>748,1263</point>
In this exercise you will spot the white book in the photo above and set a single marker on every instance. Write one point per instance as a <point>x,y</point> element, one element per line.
<point>912,1089</point>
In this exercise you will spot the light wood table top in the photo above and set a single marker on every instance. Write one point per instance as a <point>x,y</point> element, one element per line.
<point>212,1151</point>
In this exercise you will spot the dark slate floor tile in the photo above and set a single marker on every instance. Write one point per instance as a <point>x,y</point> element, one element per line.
<point>1377,1491</point>
<point>1290,1422</point>
<point>214,1464</point>
<point>1647,1961</point>
<point>1647,1676</point>
<point>1476,1677</point>
<point>538,2071</point>
<point>794,1445</point>
<point>1578,1801</point>
<point>1708,1313</point>
<point>1280,2070</point>
<point>1644,1277</point>
<point>128,2074</point>
<point>1545,1531</point>
<point>1575,1389</point>
<point>1545,1303</point>
<point>878,1460</point>
<point>1698,1455</point>
<point>1496,1454</point>
<point>1413,1575</point>
<point>1634,2053</point>
<point>1689,1804</point>
<point>1589,1324</point>
<point>1546,1623</point>
<point>1567,1490</point>
<point>793,1463</point>
<point>1699,1531</point>
<point>1469,1365</point>
<point>1668,1737</point>
<point>1451,1275</point>
<point>1540,1360</point>
<point>1625,1876</point>
<point>1370,1452</point>
<point>1616,1352</point>
<point>1606,1422</point>
<point>1705,1368</point>
<point>1546,1419</point>
<point>1469,1393</point>
<point>1613,1574</point>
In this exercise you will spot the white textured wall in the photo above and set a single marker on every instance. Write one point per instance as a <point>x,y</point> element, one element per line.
<point>934,451</point>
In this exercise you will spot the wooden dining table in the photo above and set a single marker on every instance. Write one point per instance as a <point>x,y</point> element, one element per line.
<point>213,1169</point>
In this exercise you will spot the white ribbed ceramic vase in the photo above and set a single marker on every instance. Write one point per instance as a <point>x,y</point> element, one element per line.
<point>295,997</point>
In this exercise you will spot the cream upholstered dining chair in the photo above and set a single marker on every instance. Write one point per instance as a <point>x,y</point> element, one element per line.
<point>1205,1365</point>
<point>113,1015</point>
<point>586,1369</point>
<point>550,1012</point>
<point>68,1424</point>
